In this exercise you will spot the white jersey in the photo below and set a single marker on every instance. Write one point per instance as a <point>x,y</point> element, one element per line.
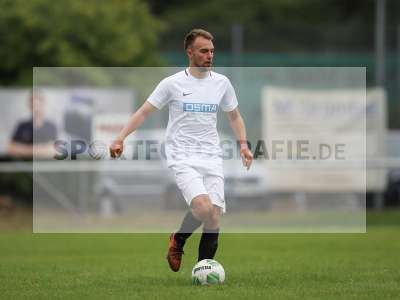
<point>192,136</point>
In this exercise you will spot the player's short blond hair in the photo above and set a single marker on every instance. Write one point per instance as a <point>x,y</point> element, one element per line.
<point>193,34</point>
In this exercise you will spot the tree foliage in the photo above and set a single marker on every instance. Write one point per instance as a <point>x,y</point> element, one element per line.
<point>280,26</point>
<point>74,33</point>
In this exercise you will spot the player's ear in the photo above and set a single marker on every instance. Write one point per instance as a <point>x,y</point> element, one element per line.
<point>189,52</point>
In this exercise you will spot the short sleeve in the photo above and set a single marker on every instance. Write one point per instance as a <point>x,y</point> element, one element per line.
<point>17,134</point>
<point>229,101</point>
<point>23,133</point>
<point>161,94</point>
<point>45,134</point>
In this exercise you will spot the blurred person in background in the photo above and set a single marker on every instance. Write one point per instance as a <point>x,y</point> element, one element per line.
<point>33,138</point>
<point>192,144</point>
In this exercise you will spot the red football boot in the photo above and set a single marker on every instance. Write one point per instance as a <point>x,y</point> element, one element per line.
<point>174,255</point>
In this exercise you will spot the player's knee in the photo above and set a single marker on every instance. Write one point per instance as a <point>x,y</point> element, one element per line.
<point>203,212</point>
<point>213,220</point>
<point>202,208</point>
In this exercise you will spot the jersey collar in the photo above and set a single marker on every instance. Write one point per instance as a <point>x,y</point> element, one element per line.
<point>190,75</point>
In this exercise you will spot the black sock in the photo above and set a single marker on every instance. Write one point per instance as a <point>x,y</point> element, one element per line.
<point>208,243</point>
<point>189,224</point>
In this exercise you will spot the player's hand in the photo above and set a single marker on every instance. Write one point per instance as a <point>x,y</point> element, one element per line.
<point>246,156</point>
<point>116,148</point>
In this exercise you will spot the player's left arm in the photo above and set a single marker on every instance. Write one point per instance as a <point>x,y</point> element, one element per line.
<point>238,127</point>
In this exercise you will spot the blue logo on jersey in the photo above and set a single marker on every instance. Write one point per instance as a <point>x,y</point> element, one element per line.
<point>200,107</point>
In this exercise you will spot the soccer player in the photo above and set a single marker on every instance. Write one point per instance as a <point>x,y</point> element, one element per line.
<point>194,96</point>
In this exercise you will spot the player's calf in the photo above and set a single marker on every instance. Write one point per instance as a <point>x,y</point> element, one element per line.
<point>208,244</point>
<point>209,238</point>
<point>189,224</point>
<point>177,240</point>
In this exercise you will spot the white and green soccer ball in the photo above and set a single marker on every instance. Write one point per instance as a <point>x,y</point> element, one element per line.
<point>208,271</point>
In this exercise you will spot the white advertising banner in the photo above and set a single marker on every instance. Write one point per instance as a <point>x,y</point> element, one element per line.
<point>317,139</point>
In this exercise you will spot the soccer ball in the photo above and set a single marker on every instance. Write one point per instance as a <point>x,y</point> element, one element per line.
<point>208,271</point>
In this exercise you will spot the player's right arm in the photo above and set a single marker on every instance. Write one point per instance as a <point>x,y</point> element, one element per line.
<point>134,122</point>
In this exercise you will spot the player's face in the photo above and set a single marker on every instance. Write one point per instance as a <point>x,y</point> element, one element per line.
<point>201,53</point>
<point>36,105</point>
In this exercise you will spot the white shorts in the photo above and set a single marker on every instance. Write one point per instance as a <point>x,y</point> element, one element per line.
<point>199,179</point>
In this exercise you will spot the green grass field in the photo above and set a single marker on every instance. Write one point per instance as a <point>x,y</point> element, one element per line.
<point>258,266</point>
